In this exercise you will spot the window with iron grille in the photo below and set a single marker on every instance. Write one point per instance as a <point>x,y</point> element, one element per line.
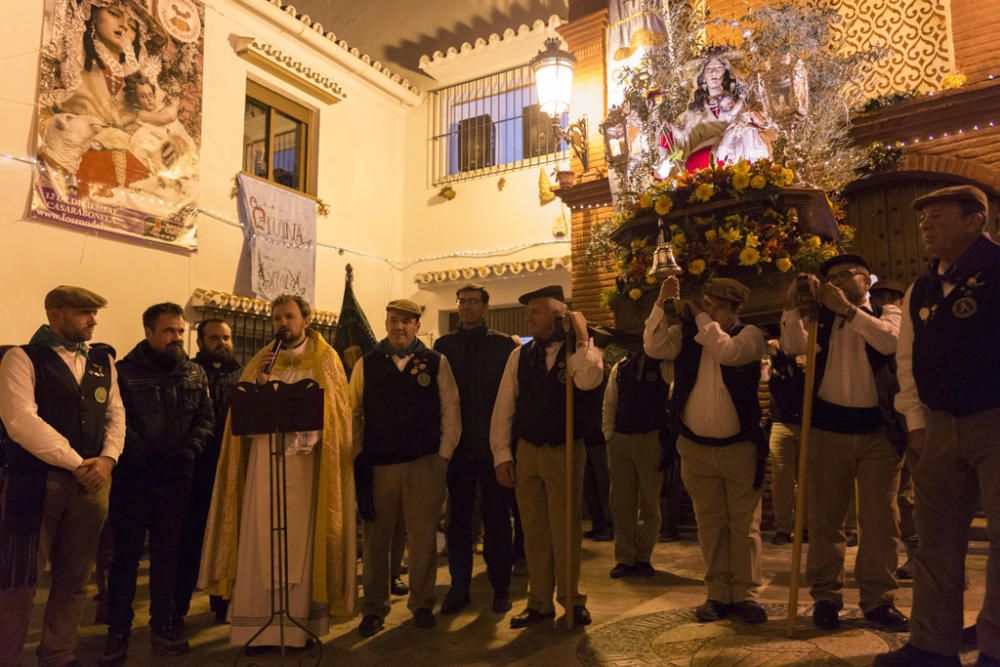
<point>252,331</point>
<point>490,125</point>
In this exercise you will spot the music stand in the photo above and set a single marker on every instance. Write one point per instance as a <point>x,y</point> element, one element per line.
<point>274,409</point>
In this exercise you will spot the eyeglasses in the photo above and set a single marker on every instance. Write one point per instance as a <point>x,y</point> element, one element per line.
<point>846,274</point>
<point>469,302</point>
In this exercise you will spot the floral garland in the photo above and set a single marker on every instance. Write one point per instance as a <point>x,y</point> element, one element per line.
<point>735,241</point>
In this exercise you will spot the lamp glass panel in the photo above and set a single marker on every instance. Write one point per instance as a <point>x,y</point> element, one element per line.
<point>554,80</point>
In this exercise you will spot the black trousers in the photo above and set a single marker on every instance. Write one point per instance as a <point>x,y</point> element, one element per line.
<point>464,476</point>
<point>141,503</point>
<point>189,548</point>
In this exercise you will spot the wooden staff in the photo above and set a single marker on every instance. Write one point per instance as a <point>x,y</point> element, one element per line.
<point>570,486</point>
<point>800,496</point>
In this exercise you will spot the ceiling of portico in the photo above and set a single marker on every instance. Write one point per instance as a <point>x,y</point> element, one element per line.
<point>398,32</point>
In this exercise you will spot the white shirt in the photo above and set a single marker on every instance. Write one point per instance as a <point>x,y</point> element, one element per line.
<point>610,406</point>
<point>451,411</point>
<point>710,411</point>
<point>586,365</point>
<point>847,379</point>
<point>19,412</point>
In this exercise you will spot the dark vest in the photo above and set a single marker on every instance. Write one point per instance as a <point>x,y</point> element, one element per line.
<point>642,395</point>
<point>786,385</point>
<point>838,418</point>
<point>402,408</point>
<point>76,411</point>
<point>742,383</point>
<point>540,410</point>
<point>956,358</point>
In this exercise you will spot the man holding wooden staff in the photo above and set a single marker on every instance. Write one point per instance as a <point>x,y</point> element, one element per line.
<point>716,426</point>
<point>850,440</point>
<point>531,410</point>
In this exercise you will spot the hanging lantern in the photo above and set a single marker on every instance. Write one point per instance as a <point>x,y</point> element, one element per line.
<point>664,262</point>
<point>553,68</point>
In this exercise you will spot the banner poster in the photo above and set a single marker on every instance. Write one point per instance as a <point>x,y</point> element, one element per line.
<point>119,117</point>
<point>281,226</point>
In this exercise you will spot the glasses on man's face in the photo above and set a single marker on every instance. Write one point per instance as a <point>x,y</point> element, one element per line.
<point>469,302</point>
<point>845,275</point>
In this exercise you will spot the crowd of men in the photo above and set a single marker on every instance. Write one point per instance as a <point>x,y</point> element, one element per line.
<point>906,379</point>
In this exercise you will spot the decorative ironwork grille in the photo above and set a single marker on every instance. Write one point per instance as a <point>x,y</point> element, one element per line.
<point>252,331</point>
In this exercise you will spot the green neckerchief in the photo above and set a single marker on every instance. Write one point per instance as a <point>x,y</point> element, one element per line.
<point>45,336</point>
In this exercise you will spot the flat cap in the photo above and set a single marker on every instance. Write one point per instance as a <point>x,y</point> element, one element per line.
<point>888,285</point>
<point>846,258</point>
<point>405,306</point>
<point>68,296</point>
<point>727,289</point>
<point>967,193</point>
<point>550,291</point>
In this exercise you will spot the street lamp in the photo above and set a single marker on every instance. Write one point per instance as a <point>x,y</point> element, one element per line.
<point>553,68</point>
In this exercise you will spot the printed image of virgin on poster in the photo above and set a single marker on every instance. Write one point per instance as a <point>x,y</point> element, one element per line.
<point>119,117</point>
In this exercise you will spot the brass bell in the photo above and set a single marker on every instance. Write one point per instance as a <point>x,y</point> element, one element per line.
<point>664,263</point>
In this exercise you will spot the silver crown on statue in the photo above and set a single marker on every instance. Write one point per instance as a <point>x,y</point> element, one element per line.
<point>664,263</point>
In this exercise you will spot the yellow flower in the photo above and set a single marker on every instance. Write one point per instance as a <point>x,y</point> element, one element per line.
<point>732,235</point>
<point>710,235</point>
<point>679,238</point>
<point>784,264</point>
<point>663,205</point>
<point>955,80</point>
<point>696,267</point>
<point>788,175</point>
<point>740,182</point>
<point>749,257</point>
<point>814,241</point>
<point>758,182</point>
<point>703,192</point>
<point>635,294</point>
<point>646,201</point>
<point>752,240</point>
<point>742,168</point>
<point>650,280</point>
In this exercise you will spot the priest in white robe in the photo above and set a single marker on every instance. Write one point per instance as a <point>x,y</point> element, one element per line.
<point>320,500</point>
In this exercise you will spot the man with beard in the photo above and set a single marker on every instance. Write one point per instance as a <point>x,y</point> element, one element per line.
<point>168,421</point>
<point>319,496</point>
<point>60,405</point>
<point>478,356</point>
<point>215,355</point>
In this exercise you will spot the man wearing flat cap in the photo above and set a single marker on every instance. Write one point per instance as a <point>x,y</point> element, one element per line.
<point>477,355</point>
<point>716,430</point>
<point>61,408</point>
<point>949,363</point>
<point>407,424</point>
<point>851,441</point>
<point>530,411</point>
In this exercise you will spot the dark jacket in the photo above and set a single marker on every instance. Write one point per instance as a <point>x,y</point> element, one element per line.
<point>477,358</point>
<point>222,381</point>
<point>787,384</point>
<point>168,413</point>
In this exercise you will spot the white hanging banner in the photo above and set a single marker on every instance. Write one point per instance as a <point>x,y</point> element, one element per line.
<point>281,225</point>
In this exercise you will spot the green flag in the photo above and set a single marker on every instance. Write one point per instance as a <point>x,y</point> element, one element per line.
<point>354,337</point>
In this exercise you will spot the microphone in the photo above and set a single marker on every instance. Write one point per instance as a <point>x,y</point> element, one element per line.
<point>279,342</point>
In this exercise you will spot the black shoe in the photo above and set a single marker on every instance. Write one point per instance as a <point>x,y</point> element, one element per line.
<point>604,535</point>
<point>370,624</point>
<point>166,641</point>
<point>590,533</point>
<point>888,618</point>
<point>398,587</point>
<point>911,656</point>
<point>581,616</point>
<point>643,569</point>
<point>987,661</point>
<point>748,611</point>
<point>905,571</point>
<point>423,618</point>
<point>454,602</point>
<point>710,611</point>
<point>780,538</point>
<point>501,603</point>
<point>852,538</point>
<point>826,615</point>
<point>970,636</point>
<point>258,649</point>
<point>115,651</point>
<point>530,617</point>
<point>621,570</point>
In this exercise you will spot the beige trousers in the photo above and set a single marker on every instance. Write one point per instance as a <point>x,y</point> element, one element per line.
<point>727,510</point>
<point>835,461</point>
<point>633,463</point>
<point>71,528</point>
<point>784,447</point>
<point>958,469</point>
<point>541,488</point>
<point>416,489</point>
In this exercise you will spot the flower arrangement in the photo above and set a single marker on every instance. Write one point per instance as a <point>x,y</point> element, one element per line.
<point>736,241</point>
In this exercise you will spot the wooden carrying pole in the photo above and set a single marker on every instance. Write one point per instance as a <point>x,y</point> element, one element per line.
<point>569,347</point>
<point>800,493</point>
